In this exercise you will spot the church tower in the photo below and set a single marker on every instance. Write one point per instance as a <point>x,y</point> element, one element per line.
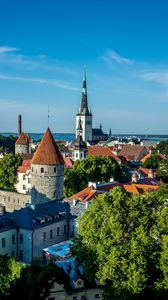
<point>84,115</point>
<point>47,171</point>
<point>79,148</point>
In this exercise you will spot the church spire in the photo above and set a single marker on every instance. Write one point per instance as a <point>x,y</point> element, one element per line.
<point>84,105</point>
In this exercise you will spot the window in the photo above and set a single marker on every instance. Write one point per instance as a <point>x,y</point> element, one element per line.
<point>21,254</point>
<point>21,238</point>
<point>32,169</point>
<point>76,154</point>
<point>83,298</point>
<point>13,239</point>
<point>58,231</point>
<point>75,298</point>
<point>44,236</point>
<point>65,229</point>
<point>44,255</point>
<point>55,169</point>
<point>29,180</point>
<point>24,187</point>
<point>97,296</point>
<point>51,234</point>
<point>42,170</point>
<point>13,253</point>
<point>3,243</point>
<point>24,177</point>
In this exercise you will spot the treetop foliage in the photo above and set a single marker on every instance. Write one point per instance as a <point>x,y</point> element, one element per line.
<point>8,171</point>
<point>153,161</point>
<point>163,147</point>
<point>91,168</point>
<point>123,243</point>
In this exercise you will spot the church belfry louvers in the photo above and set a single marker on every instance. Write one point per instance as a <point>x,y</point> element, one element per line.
<point>84,115</point>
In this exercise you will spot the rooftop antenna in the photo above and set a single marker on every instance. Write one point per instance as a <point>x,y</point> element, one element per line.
<point>48,116</point>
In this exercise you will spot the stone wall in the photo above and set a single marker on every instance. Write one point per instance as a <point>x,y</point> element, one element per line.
<point>12,200</point>
<point>20,149</point>
<point>47,183</point>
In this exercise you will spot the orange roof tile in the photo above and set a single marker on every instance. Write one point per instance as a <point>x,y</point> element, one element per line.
<point>22,139</point>
<point>102,151</point>
<point>47,152</point>
<point>23,169</point>
<point>68,162</point>
<point>132,152</point>
<point>90,193</point>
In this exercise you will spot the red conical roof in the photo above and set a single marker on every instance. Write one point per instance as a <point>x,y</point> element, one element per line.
<point>22,139</point>
<point>47,152</point>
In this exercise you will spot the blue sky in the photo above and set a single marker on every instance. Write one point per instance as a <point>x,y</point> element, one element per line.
<point>45,44</point>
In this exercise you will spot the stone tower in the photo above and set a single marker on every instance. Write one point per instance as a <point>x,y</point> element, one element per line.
<point>23,144</point>
<point>84,115</point>
<point>80,147</point>
<point>47,171</point>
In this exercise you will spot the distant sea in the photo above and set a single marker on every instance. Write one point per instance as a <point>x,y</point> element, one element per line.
<point>71,136</point>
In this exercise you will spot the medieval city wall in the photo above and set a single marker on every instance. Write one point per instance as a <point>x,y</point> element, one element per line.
<point>13,200</point>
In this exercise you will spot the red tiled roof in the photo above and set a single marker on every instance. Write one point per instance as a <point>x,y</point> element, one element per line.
<point>131,152</point>
<point>26,163</point>
<point>23,169</point>
<point>90,192</point>
<point>102,151</point>
<point>47,152</point>
<point>68,162</point>
<point>23,139</point>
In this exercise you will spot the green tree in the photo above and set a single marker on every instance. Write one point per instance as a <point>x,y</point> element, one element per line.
<point>163,147</point>
<point>123,243</point>
<point>35,282</point>
<point>8,171</point>
<point>153,161</point>
<point>8,142</point>
<point>99,168</point>
<point>10,271</point>
<point>91,168</point>
<point>75,180</point>
<point>163,170</point>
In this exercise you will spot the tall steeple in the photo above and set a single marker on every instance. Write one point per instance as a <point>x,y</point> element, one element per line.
<point>84,115</point>
<point>84,104</point>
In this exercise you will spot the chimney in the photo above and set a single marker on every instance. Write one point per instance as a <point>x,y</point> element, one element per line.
<point>19,124</point>
<point>93,184</point>
<point>151,174</point>
<point>134,177</point>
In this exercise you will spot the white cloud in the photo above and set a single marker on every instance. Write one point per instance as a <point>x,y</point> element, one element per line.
<point>160,77</point>
<point>54,83</point>
<point>7,49</point>
<point>112,56</point>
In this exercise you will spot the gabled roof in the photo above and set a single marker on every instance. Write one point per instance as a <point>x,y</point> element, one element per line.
<point>23,169</point>
<point>68,162</point>
<point>23,139</point>
<point>31,218</point>
<point>91,192</point>
<point>47,152</point>
<point>132,152</point>
<point>102,151</point>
